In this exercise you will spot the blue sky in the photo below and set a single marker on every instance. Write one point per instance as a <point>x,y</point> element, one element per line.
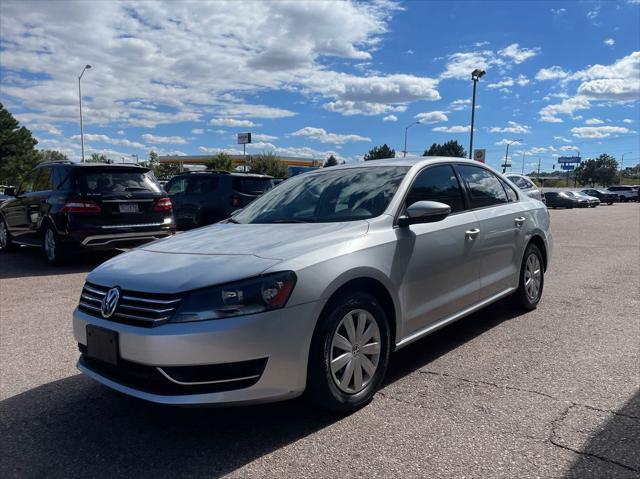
<point>319,78</point>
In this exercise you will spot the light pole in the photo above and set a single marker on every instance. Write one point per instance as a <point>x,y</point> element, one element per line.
<point>404,152</point>
<point>506,155</point>
<point>475,76</point>
<point>523,153</point>
<point>622,163</point>
<point>86,67</point>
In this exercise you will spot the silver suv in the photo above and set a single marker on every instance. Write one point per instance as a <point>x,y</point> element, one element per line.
<point>313,285</point>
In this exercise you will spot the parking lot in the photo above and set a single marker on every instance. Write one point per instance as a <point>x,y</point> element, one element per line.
<point>550,393</point>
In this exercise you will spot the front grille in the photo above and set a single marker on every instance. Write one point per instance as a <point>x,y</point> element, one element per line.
<point>135,308</point>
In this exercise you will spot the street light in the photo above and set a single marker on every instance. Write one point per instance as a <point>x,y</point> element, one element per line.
<point>475,76</point>
<point>622,163</point>
<point>506,155</point>
<point>86,67</point>
<point>404,152</point>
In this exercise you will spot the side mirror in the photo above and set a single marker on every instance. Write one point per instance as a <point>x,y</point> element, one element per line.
<point>10,191</point>
<point>424,212</point>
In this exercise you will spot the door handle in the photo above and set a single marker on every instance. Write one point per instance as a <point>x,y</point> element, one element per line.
<point>520,220</point>
<point>472,234</point>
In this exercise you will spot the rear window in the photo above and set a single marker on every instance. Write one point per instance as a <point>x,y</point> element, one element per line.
<point>104,181</point>
<point>252,186</point>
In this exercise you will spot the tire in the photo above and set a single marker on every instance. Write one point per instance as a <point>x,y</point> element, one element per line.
<point>528,295</point>
<point>338,390</point>
<point>53,250</point>
<point>5,237</point>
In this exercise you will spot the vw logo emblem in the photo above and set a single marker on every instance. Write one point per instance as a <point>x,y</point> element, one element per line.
<point>110,302</point>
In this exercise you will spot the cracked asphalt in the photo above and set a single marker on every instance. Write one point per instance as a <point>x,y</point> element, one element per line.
<point>553,393</point>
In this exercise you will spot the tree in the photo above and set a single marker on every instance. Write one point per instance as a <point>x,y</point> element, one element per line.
<point>18,155</point>
<point>162,171</point>
<point>331,161</point>
<point>268,163</point>
<point>97,158</point>
<point>451,149</point>
<point>221,161</point>
<point>52,155</point>
<point>603,171</point>
<point>380,152</point>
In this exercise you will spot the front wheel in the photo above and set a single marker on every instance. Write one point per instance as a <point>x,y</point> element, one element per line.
<point>349,353</point>
<point>531,283</point>
<point>5,237</point>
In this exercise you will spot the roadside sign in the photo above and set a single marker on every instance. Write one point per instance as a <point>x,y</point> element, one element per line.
<point>244,138</point>
<point>479,155</point>
<point>569,159</point>
<point>567,166</point>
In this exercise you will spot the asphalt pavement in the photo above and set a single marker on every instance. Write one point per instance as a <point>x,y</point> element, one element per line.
<point>550,393</point>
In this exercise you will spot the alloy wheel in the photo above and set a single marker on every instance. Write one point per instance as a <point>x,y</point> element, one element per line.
<point>3,235</point>
<point>532,277</point>
<point>355,351</point>
<point>50,245</point>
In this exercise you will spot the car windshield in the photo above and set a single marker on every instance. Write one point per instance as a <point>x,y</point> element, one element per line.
<point>328,196</point>
<point>102,181</point>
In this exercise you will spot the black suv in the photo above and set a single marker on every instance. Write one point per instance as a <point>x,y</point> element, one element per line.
<point>205,197</point>
<point>66,206</point>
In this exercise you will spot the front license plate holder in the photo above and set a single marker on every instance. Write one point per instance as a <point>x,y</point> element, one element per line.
<point>129,208</point>
<point>102,344</point>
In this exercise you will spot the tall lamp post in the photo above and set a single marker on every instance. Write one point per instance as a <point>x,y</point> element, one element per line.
<point>404,152</point>
<point>475,76</point>
<point>622,163</point>
<point>86,67</point>
<point>506,155</point>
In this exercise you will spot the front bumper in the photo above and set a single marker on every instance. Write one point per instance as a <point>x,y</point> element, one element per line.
<point>281,339</point>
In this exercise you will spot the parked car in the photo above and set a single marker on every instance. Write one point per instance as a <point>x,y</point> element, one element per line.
<point>4,198</point>
<point>312,285</point>
<point>205,197</point>
<point>625,192</point>
<point>64,207</point>
<point>564,199</point>
<point>526,185</point>
<point>603,195</point>
<point>592,201</point>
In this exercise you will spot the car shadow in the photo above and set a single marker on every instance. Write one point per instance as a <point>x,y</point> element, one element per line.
<point>75,427</point>
<point>26,262</point>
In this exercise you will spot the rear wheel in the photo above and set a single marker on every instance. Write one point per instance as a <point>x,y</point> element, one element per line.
<point>53,250</point>
<point>529,291</point>
<point>5,237</point>
<point>349,353</point>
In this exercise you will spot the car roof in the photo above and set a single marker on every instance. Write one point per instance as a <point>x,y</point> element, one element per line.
<point>93,165</point>
<point>418,161</point>
<point>221,172</point>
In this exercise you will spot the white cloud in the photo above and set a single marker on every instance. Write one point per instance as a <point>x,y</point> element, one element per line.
<point>120,132</point>
<point>553,73</point>
<point>390,118</point>
<point>616,82</point>
<point>562,138</point>
<point>452,129</point>
<point>321,135</point>
<point>508,81</point>
<point>173,140</point>
<point>558,11</point>
<point>109,140</point>
<point>550,113</point>
<point>512,128</point>
<point>460,104</point>
<point>627,120</point>
<point>431,117</point>
<point>517,54</point>
<point>349,108</point>
<point>610,42</point>
<point>197,131</point>
<point>569,148</point>
<point>594,121</point>
<point>46,127</point>
<point>232,122</point>
<point>593,14</point>
<point>262,137</point>
<point>598,131</point>
<point>506,141</point>
<point>460,65</point>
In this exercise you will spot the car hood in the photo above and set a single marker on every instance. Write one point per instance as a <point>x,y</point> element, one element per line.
<point>217,254</point>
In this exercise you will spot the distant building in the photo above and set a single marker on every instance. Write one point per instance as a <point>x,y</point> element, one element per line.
<point>296,165</point>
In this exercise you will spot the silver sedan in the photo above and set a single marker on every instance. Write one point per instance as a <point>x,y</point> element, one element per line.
<point>313,285</point>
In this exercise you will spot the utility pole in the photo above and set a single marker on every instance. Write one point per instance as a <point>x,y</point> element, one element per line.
<point>523,153</point>
<point>622,163</point>
<point>475,76</point>
<point>86,67</point>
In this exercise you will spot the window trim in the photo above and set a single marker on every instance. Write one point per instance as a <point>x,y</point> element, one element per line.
<point>468,193</point>
<point>465,199</point>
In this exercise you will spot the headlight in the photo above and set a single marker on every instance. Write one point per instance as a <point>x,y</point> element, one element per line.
<point>255,295</point>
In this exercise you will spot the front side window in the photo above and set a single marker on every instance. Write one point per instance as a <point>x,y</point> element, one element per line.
<point>177,186</point>
<point>29,182</point>
<point>438,183</point>
<point>200,185</point>
<point>485,189</point>
<point>44,180</point>
<point>331,195</point>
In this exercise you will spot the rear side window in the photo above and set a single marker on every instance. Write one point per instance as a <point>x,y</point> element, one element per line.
<point>438,183</point>
<point>43,181</point>
<point>511,193</point>
<point>61,178</point>
<point>199,185</point>
<point>252,186</point>
<point>177,186</point>
<point>100,181</point>
<point>485,189</point>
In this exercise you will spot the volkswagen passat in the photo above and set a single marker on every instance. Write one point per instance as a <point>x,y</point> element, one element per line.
<point>313,285</point>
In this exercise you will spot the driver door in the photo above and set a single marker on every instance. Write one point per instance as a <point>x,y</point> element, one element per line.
<point>443,273</point>
<point>15,212</point>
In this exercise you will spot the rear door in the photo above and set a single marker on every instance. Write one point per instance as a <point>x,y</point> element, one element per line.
<point>126,196</point>
<point>36,202</point>
<point>502,223</point>
<point>15,213</point>
<point>177,191</point>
